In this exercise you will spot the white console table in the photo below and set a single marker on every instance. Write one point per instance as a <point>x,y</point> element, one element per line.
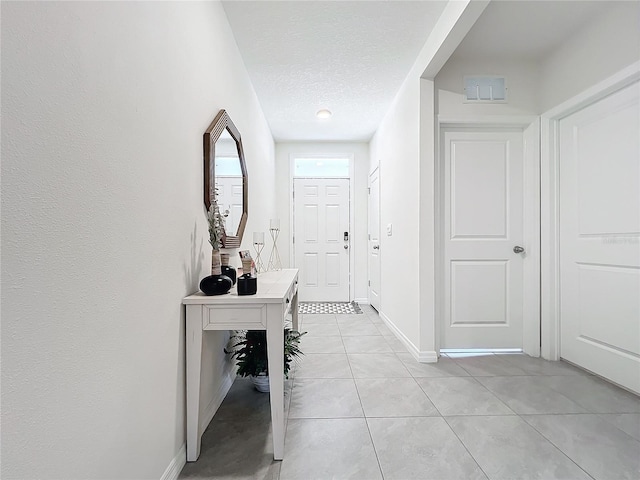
<point>266,310</point>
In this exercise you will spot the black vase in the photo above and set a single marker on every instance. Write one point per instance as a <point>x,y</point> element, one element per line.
<point>229,272</point>
<point>215,285</point>
<point>247,285</point>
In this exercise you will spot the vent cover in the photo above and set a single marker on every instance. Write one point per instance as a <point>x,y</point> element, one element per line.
<point>485,89</point>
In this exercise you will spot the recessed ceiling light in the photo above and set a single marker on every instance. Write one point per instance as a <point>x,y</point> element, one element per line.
<point>324,113</point>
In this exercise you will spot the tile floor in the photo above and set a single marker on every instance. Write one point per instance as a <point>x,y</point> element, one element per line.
<point>360,407</point>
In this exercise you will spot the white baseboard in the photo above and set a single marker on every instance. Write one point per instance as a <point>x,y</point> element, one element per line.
<point>363,301</point>
<point>176,465</point>
<point>428,356</point>
<point>422,357</point>
<point>216,401</point>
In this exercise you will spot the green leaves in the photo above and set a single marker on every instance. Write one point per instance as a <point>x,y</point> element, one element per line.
<point>250,351</point>
<point>216,225</point>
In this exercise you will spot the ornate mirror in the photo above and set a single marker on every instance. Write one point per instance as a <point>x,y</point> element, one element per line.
<point>225,170</point>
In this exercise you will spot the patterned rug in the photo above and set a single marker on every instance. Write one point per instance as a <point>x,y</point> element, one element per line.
<point>339,308</point>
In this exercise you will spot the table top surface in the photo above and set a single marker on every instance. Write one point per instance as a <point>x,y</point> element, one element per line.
<point>272,288</point>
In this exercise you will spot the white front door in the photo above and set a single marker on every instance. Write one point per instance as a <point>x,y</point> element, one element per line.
<point>483,201</point>
<point>600,237</point>
<point>322,238</point>
<point>374,239</point>
<point>230,195</point>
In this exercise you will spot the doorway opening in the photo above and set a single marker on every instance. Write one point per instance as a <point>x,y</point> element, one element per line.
<point>322,217</point>
<point>488,236</point>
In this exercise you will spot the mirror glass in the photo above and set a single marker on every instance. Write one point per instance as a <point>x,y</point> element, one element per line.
<point>229,182</point>
<point>225,171</point>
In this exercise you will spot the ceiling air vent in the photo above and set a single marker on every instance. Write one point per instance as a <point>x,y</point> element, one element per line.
<point>485,89</point>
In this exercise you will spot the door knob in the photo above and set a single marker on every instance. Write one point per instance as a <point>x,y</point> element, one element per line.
<point>518,249</point>
<point>376,247</point>
<point>346,246</point>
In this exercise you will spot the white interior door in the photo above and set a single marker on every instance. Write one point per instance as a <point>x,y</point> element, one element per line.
<point>483,199</point>
<point>600,237</point>
<point>322,238</point>
<point>230,200</point>
<point>374,239</point>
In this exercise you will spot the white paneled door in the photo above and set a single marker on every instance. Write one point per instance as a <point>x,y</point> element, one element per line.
<point>600,237</point>
<point>230,189</point>
<point>374,239</point>
<point>483,239</point>
<point>322,238</point>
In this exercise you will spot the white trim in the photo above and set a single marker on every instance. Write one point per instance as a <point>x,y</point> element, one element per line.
<point>216,401</point>
<point>428,356</point>
<point>531,300</point>
<point>377,167</point>
<point>351,157</point>
<point>549,239</point>
<point>501,121</point>
<point>531,265</point>
<point>615,82</point>
<point>550,194</point>
<point>176,465</point>
<point>421,356</point>
<point>361,301</point>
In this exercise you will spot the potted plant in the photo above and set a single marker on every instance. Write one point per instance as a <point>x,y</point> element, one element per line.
<point>216,283</point>
<point>250,352</point>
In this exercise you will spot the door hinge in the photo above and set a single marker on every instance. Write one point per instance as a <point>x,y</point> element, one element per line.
<point>369,190</point>
<point>369,282</point>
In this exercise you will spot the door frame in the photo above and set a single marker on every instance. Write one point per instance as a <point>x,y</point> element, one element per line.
<point>532,270</point>
<point>375,167</point>
<point>550,204</point>
<point>350,156</point>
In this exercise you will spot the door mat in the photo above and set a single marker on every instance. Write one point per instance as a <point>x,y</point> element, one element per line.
<point>338,308</point>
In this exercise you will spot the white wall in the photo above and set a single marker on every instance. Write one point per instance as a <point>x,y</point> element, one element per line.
<point>396,149</point>
<point>403,146</point>
<point>103,228</point>
<point>359,245</point>
<point>600,49</point>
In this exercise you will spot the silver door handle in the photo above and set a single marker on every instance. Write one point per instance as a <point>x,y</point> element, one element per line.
<point>346,246</point>
<point>518,249</point>
<point>376,247</point>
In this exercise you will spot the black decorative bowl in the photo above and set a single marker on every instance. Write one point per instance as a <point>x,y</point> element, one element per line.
<point>215,285</point>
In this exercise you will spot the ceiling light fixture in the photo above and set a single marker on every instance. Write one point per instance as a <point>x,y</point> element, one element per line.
<point>324,113</point>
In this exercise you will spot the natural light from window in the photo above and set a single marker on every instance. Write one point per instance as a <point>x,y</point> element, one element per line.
<point>321,167</point>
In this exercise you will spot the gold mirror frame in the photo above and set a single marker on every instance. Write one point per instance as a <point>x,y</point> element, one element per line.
<point>211,136</point>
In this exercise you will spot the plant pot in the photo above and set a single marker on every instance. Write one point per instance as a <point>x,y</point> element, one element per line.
<point>216,263</point>
<point>261,382</point>
<point>226,269</point>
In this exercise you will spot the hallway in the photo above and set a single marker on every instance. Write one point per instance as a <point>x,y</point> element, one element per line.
<point>361,407</point>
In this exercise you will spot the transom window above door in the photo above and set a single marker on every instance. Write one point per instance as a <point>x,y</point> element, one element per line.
<point>321,167</point>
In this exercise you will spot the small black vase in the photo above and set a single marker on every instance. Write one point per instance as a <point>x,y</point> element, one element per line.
<point>229,272</point>
<point>215,285</point>
<point>247,285</point>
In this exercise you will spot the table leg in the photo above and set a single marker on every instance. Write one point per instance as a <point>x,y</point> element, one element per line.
<point>294,312</point>
<point>275,355</point>
<point>194,364</point>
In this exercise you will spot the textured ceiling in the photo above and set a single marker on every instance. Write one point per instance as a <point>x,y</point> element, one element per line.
<point>352,56</point>
<point>349,57</point>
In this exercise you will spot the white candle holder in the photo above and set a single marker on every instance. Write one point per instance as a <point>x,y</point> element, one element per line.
<point>274,257</point>
<point>258,244</point>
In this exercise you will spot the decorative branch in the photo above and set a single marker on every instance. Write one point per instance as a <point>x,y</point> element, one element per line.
<point>216,225</point>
